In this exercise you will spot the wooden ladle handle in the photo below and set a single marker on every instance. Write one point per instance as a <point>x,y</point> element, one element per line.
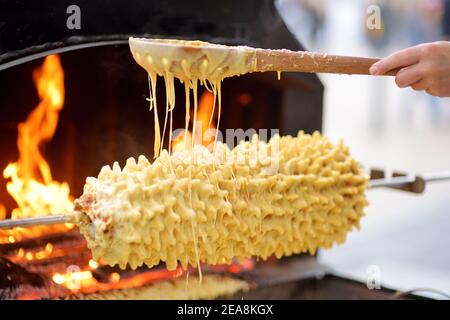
<point>304,61</point>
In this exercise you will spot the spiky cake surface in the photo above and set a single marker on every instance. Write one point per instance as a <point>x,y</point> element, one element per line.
<point>297,195</point>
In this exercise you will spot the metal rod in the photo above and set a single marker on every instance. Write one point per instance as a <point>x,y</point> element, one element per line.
<point>391,182</point>
<point>440,176</point>
<point>27,222</point>
<point>68,48</point>
<point>411,183</point>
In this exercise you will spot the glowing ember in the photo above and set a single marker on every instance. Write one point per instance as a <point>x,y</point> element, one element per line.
<point>75,280</point>
<point>31,183</point>
<point>114,277</point>
<point>93,264</point>
<point>83,281</point>
<point>246,264</point>
<point>44,253</point>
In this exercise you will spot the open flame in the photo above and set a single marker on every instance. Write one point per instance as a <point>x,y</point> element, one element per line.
<point>203,124</point>
<point>36,193</point>
<point>2,212</point>
<point>31,184</point>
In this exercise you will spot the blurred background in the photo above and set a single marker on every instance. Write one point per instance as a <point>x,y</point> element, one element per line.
<point>405,236</point>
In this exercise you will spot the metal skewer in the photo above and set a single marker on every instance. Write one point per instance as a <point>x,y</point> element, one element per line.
<point>28,222</point>
<point>411,183</point>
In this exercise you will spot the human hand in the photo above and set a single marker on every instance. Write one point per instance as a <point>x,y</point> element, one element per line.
<point>423,67</point>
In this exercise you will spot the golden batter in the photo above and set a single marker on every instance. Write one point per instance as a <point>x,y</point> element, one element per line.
<point>205,65</point>
<point>225,205</point>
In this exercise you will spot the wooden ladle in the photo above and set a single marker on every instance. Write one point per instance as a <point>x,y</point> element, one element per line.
<point>198,59</point>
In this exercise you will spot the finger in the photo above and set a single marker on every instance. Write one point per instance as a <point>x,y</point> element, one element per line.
<point>420,85</point>
<point>409,75</point>
<point>402,58</point>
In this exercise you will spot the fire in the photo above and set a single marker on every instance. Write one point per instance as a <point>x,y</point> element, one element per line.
<point>31,184</point>
<point>93,264</point>
<point>203,124</point>
<point>236,267</point>
<point>179,143</point>
<point>84,281</point>
<point>36,193</point>
<point>205,110</point>
<point>75,280</point>
<point>2,212</point>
